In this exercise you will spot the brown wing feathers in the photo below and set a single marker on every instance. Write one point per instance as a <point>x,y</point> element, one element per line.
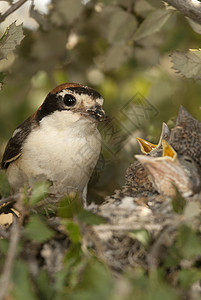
<point>14,146</point>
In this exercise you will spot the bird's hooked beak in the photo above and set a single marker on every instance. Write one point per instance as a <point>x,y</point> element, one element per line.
<point>98,113</point>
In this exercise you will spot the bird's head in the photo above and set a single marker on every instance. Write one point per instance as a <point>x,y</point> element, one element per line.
<point>75,98</point>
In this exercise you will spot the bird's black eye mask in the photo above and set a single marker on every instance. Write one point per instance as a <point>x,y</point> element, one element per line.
<point>56,102</point>
<point>51,104</point>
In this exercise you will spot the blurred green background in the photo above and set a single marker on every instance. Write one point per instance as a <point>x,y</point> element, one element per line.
<point>95,43</point>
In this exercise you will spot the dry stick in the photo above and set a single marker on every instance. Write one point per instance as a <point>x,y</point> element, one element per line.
<point>7,270</point>
<point>3,233</point>
<point>188,8</point>
<point>11,198</point>
<point>165,238</point>
<point>11,9</point>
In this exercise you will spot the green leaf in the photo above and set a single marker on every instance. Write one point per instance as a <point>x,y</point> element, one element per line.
<point>90,218</point>
<point>37,230</point>
<point>115,57</point>
<point>66,10</point>
<point>173,258</point>
<point>95,283</point>
<point>188,242</point>
<point>73,231</point>
<point>2,76</point>
<point>4,185</point>
<point>156,3</point>
<point>4,244</point>
<point>22,289</point>
<point>44,286</point>
<point>195,26</point>
<point>178,202</point>
<point>74,255</point>
<point>40,191</point>
<point>187,277</point>
<point>188,63</point>
<point>121,25</point>
<point>142,235</point>
<point>74,263</point>
<point>11,38</point>
<point>69,206</point>
<point>153,23</point>
<point>143,7</point>
<point>160,290</point>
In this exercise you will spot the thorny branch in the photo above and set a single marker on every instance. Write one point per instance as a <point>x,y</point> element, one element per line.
<point>7,270</point>
<point>188,8</point>
<point>11,9</point>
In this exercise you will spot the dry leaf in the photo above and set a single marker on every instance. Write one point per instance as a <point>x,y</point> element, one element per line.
<point>188,63</point>
<point>11,38</point>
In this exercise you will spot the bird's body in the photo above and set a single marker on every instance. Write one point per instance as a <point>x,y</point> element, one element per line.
<point>66,154</point>
<point>61,143</point>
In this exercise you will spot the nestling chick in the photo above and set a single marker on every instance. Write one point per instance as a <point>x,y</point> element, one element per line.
<point>60,140</point>
<point>136,175</point>
<point>152,149</point>
<point>172,170</point>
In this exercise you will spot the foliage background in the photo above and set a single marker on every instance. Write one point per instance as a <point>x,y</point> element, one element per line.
<point>125,49</point>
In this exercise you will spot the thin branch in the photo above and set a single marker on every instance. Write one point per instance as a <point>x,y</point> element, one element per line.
<point>7,270</point>
<point>165,238</point>
<point>11,9</point>
<point>188,8</point>
<point>3,233</point>
<point>11,198</point>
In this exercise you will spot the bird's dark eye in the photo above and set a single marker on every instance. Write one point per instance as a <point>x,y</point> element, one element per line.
<point>188,159</point>
<point>69,100</point>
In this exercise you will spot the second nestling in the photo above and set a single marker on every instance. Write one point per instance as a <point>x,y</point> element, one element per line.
<point>174,162</point>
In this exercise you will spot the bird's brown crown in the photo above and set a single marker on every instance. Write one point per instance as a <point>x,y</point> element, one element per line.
<point>77,88</point>
<point>66,85</point>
